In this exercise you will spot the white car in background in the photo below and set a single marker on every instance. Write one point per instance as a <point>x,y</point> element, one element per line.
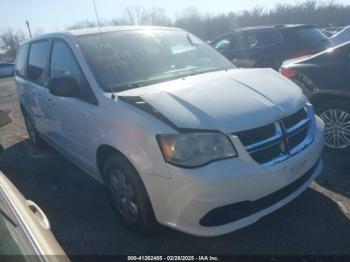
<point>177,134</point>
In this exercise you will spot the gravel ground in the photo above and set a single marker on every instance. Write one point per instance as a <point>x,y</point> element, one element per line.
<point>317,222</point>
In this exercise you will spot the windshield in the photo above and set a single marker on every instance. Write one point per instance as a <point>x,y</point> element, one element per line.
<point>12,237</point>
<point>129,59</point>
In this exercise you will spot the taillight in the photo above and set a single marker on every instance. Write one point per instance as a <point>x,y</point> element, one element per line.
<point>288,72</point>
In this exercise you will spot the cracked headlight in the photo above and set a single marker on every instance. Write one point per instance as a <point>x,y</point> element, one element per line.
<point>195,149</point>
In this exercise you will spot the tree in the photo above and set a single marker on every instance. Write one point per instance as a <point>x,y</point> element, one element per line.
<point>10,41</point>
<point>137,15</point>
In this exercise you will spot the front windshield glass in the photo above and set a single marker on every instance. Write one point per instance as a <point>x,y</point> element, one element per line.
<point>130,59</point>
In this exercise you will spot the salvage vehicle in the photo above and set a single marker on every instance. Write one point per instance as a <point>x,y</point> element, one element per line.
<point>177,134</point>
<point>325,79</point>
<point>24,228</point>
<point>269,46</point>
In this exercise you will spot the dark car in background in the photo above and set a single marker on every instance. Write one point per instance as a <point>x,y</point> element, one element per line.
<point>269,46</point>
<point>325,79</point>
<point>7,69</point>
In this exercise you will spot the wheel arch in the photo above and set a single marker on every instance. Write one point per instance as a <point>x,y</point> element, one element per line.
<point>320,98</point>
<point>103,152</point>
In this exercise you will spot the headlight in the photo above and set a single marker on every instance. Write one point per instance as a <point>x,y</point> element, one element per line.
<point>195,149</point>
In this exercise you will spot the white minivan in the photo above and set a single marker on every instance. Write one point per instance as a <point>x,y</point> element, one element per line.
<point>177,134</point>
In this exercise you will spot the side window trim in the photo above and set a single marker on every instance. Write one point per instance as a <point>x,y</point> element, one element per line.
<point>89,95</point>
<point>48,40</point>
<point>25,77</point>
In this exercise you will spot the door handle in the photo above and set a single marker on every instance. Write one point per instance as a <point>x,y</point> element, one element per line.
<point>39,214</point>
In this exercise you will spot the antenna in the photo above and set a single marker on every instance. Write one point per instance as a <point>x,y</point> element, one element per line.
<point>103,47</point>
<point>28,27</point>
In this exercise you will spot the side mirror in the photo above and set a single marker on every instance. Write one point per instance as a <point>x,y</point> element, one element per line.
<point>65,86</point>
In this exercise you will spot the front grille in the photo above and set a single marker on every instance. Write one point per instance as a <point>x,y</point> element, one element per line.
<point>295,118</point>
<point>277,141</point>
<point>257,134</point>
<point>266,154</point>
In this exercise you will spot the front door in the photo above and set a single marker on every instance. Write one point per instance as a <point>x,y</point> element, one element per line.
<point>66,115</point>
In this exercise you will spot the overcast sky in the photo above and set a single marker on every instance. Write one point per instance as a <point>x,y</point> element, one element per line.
<point>54,15</point>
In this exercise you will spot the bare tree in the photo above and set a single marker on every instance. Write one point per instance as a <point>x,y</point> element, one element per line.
<point>208,26</point>
<point>82,24</point>
<point>157,16</point>
<point>10,41</point>
<point>135,15</point>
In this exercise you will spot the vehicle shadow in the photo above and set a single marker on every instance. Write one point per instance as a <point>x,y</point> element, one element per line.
<point>336,174</point>
<point>84,222</point>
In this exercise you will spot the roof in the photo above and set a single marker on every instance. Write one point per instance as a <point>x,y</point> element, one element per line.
<point>95,30</point>
<point>286,26</point>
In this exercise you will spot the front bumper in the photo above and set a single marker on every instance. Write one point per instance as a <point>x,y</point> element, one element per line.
<point>185,201</point>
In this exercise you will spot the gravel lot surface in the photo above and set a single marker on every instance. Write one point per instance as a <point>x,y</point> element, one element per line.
<point>317,222</point>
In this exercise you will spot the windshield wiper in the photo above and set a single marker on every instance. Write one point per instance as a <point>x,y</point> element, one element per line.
<point>120,88</point>
<point>189,39</point>
<point>177,75</point>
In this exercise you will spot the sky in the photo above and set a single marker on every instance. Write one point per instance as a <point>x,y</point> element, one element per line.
<point>55,15</point>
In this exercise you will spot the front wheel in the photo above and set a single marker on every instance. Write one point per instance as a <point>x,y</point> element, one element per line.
<point>336,116</point>
<point>128,194</point>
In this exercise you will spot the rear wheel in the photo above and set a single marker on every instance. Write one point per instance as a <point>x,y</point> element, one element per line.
<point>34,135</point>
<point>336,116</point>
<point>128,194</point>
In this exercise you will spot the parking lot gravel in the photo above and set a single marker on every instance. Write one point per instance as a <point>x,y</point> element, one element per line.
<point>317,222</point>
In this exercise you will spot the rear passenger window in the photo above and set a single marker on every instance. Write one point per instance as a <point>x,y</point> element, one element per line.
<point>63,62</point>
<point>37,61</point>
<point>267,38</point>
<point>21,61</point>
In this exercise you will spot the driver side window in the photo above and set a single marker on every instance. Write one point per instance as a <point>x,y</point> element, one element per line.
<point>63,62</point>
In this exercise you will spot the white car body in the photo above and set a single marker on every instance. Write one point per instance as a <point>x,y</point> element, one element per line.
<point>228,102</point>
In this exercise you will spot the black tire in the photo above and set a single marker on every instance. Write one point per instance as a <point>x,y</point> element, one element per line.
<point>144,221</point>
<point>34,135</point>
<point>340,105</point>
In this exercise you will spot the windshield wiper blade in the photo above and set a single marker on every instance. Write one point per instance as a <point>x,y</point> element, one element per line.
<point>120,88</point>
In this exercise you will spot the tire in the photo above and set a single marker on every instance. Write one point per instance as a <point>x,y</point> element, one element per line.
<point>34,135</point>
<point>128,194</point>
<point>336,115</point>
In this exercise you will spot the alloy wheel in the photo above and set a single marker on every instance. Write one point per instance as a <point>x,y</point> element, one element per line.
<point>337,128</point>
<point>123,195</point>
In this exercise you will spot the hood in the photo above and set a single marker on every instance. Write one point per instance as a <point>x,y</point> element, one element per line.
<point>228,101</point>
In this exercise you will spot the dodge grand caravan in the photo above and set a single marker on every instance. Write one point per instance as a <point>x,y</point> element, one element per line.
<point>177,134</point>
